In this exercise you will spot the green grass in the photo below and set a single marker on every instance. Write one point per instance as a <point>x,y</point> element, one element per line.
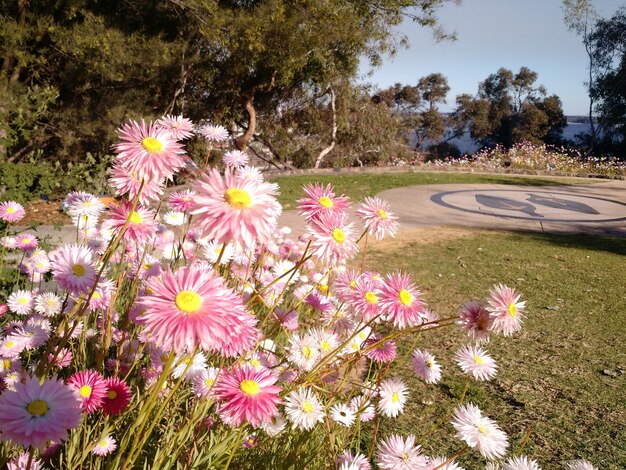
<point>553,381</point>
<point>357,186</point>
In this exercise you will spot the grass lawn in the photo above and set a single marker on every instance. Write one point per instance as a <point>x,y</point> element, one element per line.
<point>359,185</point>
<point>562,381</point>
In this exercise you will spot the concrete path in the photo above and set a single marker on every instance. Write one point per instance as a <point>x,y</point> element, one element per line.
<point>594,209</point>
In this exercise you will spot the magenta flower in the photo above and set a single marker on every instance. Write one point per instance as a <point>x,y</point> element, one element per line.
<point>141,227</point>
<point>191,308</point>
<point>333,240</point>
<point>475,318</point>
<point>379,221</point>
<point>91,388</point>
<point>396,453</point>
<point>26,241</point>
<point>400,301</point>
<point>506,309</point>
<point>321,200</point>
<point>73,268</point>
<point>34,413</point>
<point>11,211</point>
<point>382,352</point>
<point>117,398</point>
<point>181,200</point>
<point>247,395</point>
<point>179,127</point>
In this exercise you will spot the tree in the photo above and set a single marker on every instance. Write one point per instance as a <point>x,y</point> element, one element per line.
<point>508,109</point>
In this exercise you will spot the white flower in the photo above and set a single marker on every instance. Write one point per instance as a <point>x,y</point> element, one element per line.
<point>196,364</point>
<point>475,360</point>
<point>479,432</point>
<point>273,427</point>
<point>342,414</point>
<point>393,394</point>
<point>303,409</point>
<point>426,367</point>
<point>174,218</point>
<point>521,463</point>
<point>303,351</point>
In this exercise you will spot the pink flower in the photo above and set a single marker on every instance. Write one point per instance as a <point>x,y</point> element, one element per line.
<point>179,127</point>
<point>127,183</point>
<point>365,300</point>
<point>11,211</point>
<point>20,302</point>
<point>104,446</point>
<point>479,433</point>
<point>34,413</point>
<point>149,151</point>
<point>426,367</point>
<point>193,307</point>
<point>474,360</point>
<point>21,463</point>
<point>400,301</point>
<point>213,133</point>
<point>117,398</point>
<point>383,352</point>
<point>91,388</point>
<point>73,268</point>
<point>379,221</point>
<point>234,209</point>
<point>141,227</point>
<point>333,240</point>
<point>26,241</point>
<point>349,461</point>
<point>181,200</point>
<point>396,453</point>
<point>320,200</point>
<point>235,159</point>
<point>475,318</point>
<point>506,309</point>
<point>247,394</point>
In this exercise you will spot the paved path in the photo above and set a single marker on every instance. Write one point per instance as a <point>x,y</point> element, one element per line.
<point>595,209</point>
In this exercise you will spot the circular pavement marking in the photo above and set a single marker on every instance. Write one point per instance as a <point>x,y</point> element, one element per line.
<point>547,206</point>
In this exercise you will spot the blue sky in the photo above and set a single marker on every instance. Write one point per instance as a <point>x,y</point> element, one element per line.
<point>493,34</point>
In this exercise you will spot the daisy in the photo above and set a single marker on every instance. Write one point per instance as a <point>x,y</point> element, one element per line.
<point>506,309</point>
<point>362,406</point>
<point>426,367</point>
<point>11,346</point>
<point>117,398</point>
<point>382,352</point>
<point>20,302</point>
<point>520,463</point>
<point>11,211</point>
<point>181,200</point>
<point>179,127</point>
<point>320,200</point>
<point>333,239</point>
<point>104,446</point>
<point>247,394</point>
<point>204,381</point>
<point>190,366</point>
<point>148,150</point>
<point>91,388</point>
<point>141,222</point>
<point>395,453</point>
<point>342,414</point>
<point>232,209</point>
<point>479,432</point>
<point>26,242</point>
<point>84,204</point>
<point>73,268</point>
<point>400,301</point>
<point>438,463</point>
<point>174,218</point>
<point>365,298</point>
<point>475,318</point>
<point>127,183</point>
<point>303,409</point>
<point>193,308</point>
<point>34,413</point>
<point>213,251</point>
<point>274,426</point>
<point>303,351</point>
<point>21,463</point>
<point>349,461</point>
<point>393,394</point>
<point>379,221</point>
<point>475,360</point>
<point>235,159</point>
<point>580,465</point>
<point>30,336</point>
<point>213,133</point>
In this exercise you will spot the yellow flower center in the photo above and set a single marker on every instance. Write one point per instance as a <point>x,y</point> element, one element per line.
<point>26,240</point>
<point>325,202</point>
<point>338,235</point>
<point>9,344</point>
<point>353,284</point>
<point>478,360</point>
<point>371,298</point>
<point>307,352</point>
<point>188,301</point>
<point>255,362</point>
<point>135,218</point>
<point>250,387</point>
<point>405,297</point>
<point>325,345</point>
<point>96,295</point>
<point>111,394</point>
<point>6,364</point>
<point>209,382</point>
<point>395,397</point>
<point>512,310</point>
<point>429,363</point>
<point>152,145</point>
<point>37,407</point>
<point>237,198</point>
<point>22,301</point>
<point>50,302</point>
<point>103,443</point>
<point>85,391</point>
<point>322,288</point>
<point>382,214</point>
<point>11,210</point>
<point>78,270</point>
<point>307,407</point>
<point>482,430</point>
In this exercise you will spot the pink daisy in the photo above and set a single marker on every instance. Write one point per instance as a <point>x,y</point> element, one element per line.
<point>148,150</point>
<point>11,211</point>
<point>179,127</point>
<point>104,446</point>
<point>332,238</point>
<point>248,395</point>
<point>365,300</point>
<point>127,183</point>
<point>320,200</point>
<point>383,352</point>
<point>400,301</point>
<point>73,268</point>
<point>235,159</point>
<point>21,463</point>
<point>117,398</point>
<point>479,432</point>
<point>20,302</point>
<point>181,200</point>
<point>396,453</point>
<point>233,209</point>
<point>142,225</point>
<point>345,285</point>
<point>475,318</point>
<point>213,133</point>
<point>506,309</point>
<point>393,395</point>
<point>426,367</point>
<point>379,221</point>
<point>34,413</point>
<point>520,463</point>
<point>193,307</point>
<point>91,388</point>
<point>350,461</point>
<point>474,360</point>
<point>26,241</point>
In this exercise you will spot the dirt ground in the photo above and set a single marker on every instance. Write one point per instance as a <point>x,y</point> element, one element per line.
<point>45,213</point>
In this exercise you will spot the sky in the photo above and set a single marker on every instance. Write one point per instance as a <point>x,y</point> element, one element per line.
<point>493,34</point>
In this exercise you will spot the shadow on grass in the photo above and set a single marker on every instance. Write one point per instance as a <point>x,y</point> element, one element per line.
<point>614,245</point>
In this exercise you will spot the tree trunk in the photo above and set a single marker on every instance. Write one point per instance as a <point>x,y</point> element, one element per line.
<point>333,136</point>
<point>242,141</point>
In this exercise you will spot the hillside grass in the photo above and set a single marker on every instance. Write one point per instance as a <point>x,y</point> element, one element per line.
<point>561,382</point>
